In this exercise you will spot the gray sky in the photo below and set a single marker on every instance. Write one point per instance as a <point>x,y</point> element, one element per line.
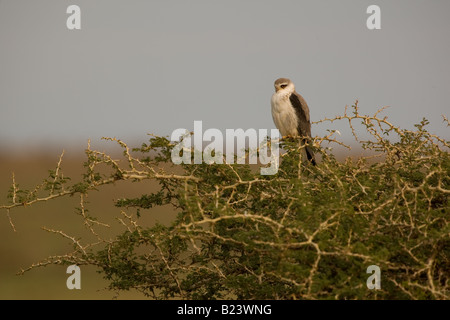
<point>139,67</point>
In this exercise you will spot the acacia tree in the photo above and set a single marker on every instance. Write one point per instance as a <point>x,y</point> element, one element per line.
<point>307,232</point>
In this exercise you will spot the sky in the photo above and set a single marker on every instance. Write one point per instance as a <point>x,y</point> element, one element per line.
<point>139,67</point>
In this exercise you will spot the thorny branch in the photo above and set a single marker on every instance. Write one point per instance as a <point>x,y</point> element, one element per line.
<point>305,233</point>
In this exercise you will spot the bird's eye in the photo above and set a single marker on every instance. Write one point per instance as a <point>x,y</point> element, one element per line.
<point>283,86</point>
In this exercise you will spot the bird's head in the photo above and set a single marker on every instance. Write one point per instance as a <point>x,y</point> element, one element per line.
<point>284,85</point>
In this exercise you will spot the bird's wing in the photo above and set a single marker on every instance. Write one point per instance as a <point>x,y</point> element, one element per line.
<point>302,110</point>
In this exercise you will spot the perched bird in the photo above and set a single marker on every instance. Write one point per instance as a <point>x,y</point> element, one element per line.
<point>291,113</point>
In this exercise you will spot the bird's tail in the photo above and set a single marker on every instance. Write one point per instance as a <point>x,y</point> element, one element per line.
<point>309,153</point>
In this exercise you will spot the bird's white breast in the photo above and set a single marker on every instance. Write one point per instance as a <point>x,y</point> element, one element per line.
<point>284,115</point>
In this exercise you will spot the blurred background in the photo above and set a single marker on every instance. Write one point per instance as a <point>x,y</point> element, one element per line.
<point>140,67</point>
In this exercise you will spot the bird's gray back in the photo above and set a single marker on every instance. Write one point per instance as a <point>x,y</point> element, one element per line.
<point>302,111</point>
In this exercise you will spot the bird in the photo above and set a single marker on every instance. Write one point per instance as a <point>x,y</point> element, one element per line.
<point>290,113</point>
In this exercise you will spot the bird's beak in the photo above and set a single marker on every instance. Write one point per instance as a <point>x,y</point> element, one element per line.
<point>277,89</point>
